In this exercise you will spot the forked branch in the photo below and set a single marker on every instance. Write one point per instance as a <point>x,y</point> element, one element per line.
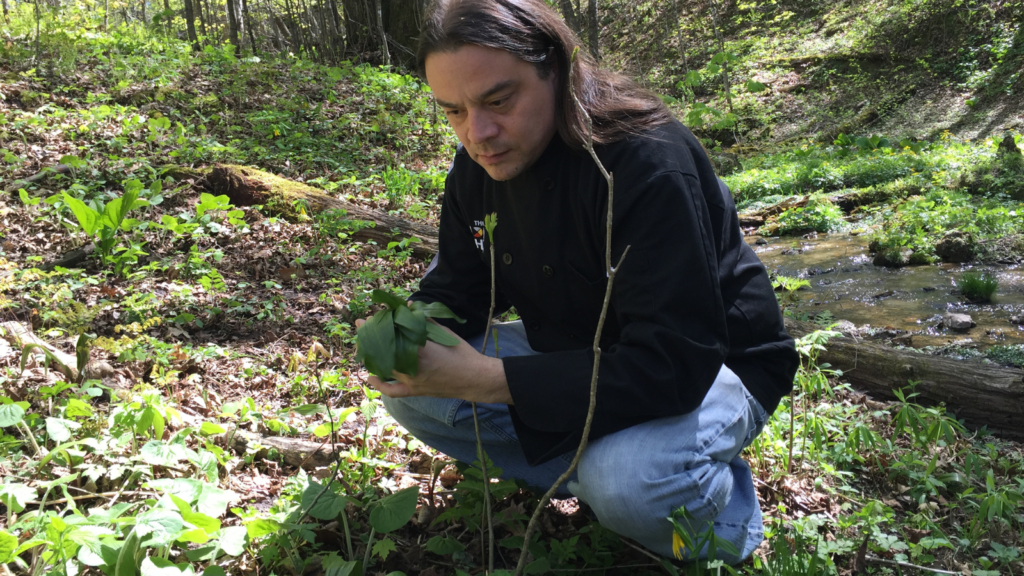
<point>531,528</point>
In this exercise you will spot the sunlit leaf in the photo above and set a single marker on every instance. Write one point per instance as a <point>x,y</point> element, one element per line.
<point>392,512</point>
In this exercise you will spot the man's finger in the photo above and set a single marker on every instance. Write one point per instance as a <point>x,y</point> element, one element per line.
<point>360,322</point>
<point>391,390</point>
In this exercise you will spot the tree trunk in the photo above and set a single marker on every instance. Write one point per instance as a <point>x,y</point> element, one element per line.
<point>203,18</point>
<point>339,39</point>
<point>248,26</point>
<point>593,29</point>
<point>569,15</point>
<point>980,393</point>
<point>7,15</point>
<point>245,186</point>
<point>190,25</point>
<point>106,14</point>
<point>233,24</point>
<point>402,21</point>
<point>144,21</point>
<point>358,30</point>
<point>385,53</point>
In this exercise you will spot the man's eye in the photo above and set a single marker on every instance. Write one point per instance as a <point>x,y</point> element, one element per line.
<point>499,103</point>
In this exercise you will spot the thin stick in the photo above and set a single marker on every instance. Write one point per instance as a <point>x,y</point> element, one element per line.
<point>531,528</point>
<point>884,562</point>
<point>476,423</point>
<point>96,495</point>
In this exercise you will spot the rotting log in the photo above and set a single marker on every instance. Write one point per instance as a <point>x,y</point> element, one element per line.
<point>20,335</point>
<point>71,259</point>
<point>980,393</point>
<point>15,185</point>
<point>245,186</point>
<point>293,451</point>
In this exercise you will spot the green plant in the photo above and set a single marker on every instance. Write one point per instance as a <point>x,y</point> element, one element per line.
<point>390,340</point>
<point>978,287</point>
<point>107,221</point>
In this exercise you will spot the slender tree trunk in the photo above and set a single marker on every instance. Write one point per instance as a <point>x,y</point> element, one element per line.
<point>726,79</point>
<point>232,24</point>
<point>167,17</point>
<point>190,25</point>
<point>38,18</point>
<point>679,35</point>
<point>7,15</point>
<point>569,14</point>
<point>358,28</point>
<point>339,38</point>
<point>106,13</point>
<point>293,28</point>
<point>202,19</point>
<point>248,26</point>
<point>145,22</point>
<point>383,35</point>
<point>593,28</point>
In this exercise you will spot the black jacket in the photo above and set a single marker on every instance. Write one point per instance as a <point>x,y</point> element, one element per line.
<point>689,296</point>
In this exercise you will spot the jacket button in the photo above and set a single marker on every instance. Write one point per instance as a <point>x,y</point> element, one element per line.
<point>506,258</point>
<point>534,325</point>
<point>549,184</point>
<point>548,270</point>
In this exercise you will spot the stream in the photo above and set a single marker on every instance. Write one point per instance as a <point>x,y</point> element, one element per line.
<point>907,303</point>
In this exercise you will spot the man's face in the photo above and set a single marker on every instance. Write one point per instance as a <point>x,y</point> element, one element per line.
<point>500,109</point>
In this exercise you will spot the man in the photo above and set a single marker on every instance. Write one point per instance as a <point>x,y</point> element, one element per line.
<point>695,355</point>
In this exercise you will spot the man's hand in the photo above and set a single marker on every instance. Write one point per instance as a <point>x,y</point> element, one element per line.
<point>450,372</point>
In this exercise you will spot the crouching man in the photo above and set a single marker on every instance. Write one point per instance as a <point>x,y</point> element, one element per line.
<point>695,356</point>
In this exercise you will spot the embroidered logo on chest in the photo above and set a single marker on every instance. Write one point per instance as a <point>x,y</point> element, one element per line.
<point>478,234</point>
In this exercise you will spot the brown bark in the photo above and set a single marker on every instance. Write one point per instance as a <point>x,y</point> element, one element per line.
<point>358,25</point>
<point>569,15</point>
<point>7,16</point>
<point>245,186</point>
<point>402,22</point>
<point>981,394</point>
<point>593,29</point>
<point>232,11</point>
<point>248,27</point>
<point>190,25</point>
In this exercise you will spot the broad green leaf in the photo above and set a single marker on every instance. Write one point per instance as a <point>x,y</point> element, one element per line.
<point>210,428</point>
<point>8,544</point>
<point>754,86</point>
<point>414,321</point>
<point>383,547</point>
<point>407,358</point>
<point>78,409</point>
<point>437,334</point>
<point>444,545</point>
<point>126,564</point>
<point>201,521</point>
<point>73,161</point>
<point>10,415</point>
<point>155,566</point>
<point>392,512</point>
<point>214,571</point>
<point>327,507</point>
<point>232,540</point>
<point>375,341</point>
<point>88,218</point>
<point>194,536</point>
<point>541,566</point>
<point>59,429</point>
<point>159,453</point>
<point>159,527</point>
<point>436,310</point>
<point>309,409</point>
<point>187,489</point>
<point>261,527</point>
<point>214,501</point>
<point>383,297</point>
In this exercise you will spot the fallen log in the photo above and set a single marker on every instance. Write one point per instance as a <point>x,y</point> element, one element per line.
<point>980,393</point>
<point>293,451</point>
<point>20,335</point>
<point>23,182</point>
<point>245,186</point>
<point>71,259</point>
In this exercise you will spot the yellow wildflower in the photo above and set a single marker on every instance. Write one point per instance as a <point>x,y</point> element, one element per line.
<point>678,547</point>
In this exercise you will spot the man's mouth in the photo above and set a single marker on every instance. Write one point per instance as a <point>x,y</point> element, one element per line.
<point>491,158</point>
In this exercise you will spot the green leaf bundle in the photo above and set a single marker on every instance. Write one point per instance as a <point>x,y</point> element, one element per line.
<point>391,339</point>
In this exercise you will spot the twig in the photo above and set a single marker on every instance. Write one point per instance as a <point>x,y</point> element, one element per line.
<point>531,528</point>
<point>476,420</point>
<point>27,432</point>
<point>884,562</point>
<point>96,495</point>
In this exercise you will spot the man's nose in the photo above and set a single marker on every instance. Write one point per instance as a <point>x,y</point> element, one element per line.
<point>482,126</point>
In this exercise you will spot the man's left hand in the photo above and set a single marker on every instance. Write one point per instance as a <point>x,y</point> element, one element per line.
<point>450,372</point>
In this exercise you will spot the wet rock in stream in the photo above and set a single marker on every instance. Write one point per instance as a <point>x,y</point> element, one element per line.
<point>958,322</point>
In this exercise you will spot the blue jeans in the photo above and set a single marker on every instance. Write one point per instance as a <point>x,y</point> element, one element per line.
<point>632,479</point>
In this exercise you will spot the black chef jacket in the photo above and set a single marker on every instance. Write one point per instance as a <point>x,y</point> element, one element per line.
<point>690,296</point>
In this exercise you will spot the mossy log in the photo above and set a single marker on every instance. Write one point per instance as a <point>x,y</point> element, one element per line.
<point>245,186</point>
<point>980,393</point>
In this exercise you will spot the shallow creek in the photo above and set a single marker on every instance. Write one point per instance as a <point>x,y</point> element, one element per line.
<point>908,302</point>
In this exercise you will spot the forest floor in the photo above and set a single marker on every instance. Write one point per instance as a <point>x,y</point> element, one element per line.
<point>196,318</point>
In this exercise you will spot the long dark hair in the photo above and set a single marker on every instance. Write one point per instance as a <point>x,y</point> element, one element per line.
<point>535,33</point>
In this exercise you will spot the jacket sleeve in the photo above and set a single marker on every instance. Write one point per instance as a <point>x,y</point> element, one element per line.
<point>459,277</point>
<point>667,307</point>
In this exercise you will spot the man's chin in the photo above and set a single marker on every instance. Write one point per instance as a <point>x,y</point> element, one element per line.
<point>503,171</point>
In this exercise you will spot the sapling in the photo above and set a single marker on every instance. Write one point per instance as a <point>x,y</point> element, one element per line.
<point>589,146</point>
